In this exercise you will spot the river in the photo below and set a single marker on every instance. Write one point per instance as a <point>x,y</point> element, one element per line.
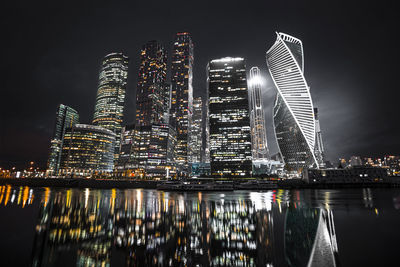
<point>138,227</point>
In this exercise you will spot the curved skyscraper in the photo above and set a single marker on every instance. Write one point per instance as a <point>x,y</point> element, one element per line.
<point>293,110</point>
<point>110,100</point>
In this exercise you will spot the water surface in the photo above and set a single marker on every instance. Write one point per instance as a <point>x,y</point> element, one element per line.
<point>136,227</point>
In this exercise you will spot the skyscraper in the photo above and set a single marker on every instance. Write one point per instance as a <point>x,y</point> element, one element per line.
<point>319,146</point>
<point>110,100</point>
<point>196,131</point>
<point>293,110</point>
<point>87,150</point>
<point>182,95</point>
<point>66,117</point>
<point>155,138</point>
<point>230,140</point>
<point>258,130</point>
<point>151,95</point>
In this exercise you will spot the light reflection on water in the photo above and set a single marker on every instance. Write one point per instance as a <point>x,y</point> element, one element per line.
<point>139,227</point>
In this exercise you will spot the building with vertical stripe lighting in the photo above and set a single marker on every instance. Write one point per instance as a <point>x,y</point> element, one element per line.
<point>293,110</point>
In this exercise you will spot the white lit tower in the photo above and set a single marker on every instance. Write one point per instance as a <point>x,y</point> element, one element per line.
<point>257,120</point>
<point>293,110</point>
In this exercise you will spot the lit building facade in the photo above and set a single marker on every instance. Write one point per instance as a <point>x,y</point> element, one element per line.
<point>127,157</point>
<point>87,150</point>
<point>182,95</point>
<point>152,92</point>
<point>229,120</point>
<point>110,100</point>
<point>65,117</point>
<point>257,119</point>
<point>147,151</point>
<point>293,110</point>
<point>196,131</point>
<point>319,145</point>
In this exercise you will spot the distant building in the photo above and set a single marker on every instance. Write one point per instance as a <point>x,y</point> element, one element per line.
<point>229,119</point>
<point>196,131</point>
<point>392,163</point>
<point>355,161</point>
<point>87,150</point>
<point>65,117</point>
<point>110,100</point>
<point>152,91</point>
<point>357,174</point>
<point>319,150</point>
<point>293,110</point>
<point>182,96</point>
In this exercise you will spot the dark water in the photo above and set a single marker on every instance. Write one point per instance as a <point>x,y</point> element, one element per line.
<point>54,227</point>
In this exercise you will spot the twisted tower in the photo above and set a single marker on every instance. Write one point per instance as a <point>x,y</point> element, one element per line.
<point>293,110</point>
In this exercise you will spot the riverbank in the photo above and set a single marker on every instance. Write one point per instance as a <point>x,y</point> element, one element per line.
<point>148,184</point>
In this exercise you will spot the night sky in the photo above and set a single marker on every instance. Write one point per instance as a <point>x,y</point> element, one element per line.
<point>52,52</point>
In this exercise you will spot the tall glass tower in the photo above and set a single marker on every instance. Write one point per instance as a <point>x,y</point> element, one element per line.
<point>66,117</point>
<point>258,130</point>
<point>229,122</point>
<point>196,131</point>
<point>110,100</point>
<point>319,145</point>
<point>293,110</point>
<point>182,95</point>
<point>152,92</point>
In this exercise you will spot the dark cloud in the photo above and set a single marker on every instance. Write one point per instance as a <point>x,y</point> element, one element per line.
<point>53,52</point>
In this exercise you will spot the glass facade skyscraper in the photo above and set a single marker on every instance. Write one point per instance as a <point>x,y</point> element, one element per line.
<point>293,110</point>
<point>229,120</point>
<point>319,145</point>
<point>196,131</point>
<point>110,100</point>
<point>87,150</point>
<point>182,95</point>
<point>152,93</point>
<point>65,117</point>
<point>257,119</point>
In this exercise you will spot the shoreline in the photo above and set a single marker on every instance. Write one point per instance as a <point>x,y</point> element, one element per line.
<point>150,184</point>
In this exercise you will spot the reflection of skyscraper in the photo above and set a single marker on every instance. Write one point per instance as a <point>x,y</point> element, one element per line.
<point>66,117</point>
<point>73,230</point>
<point>182,95</point>
<point>293,110</point>
<point>258,130</point>
<point>319,145</point>
<point>229,122</point>
<point>310,238</point>
<point>110,100</point>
